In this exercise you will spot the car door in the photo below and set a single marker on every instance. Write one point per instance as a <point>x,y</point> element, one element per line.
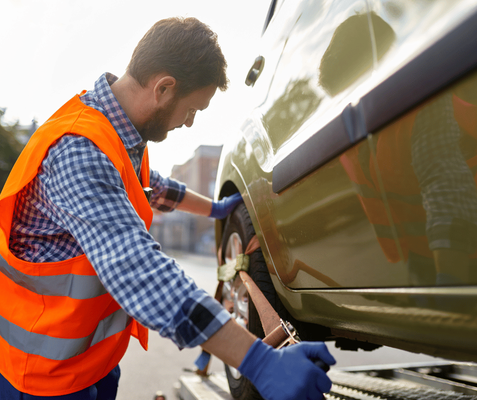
<point>338,179</point>
<point>310,215</point>
<point>424,142</point>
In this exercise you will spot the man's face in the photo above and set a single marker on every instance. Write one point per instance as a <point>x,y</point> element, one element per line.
<point>176,113</point>
<point>155,130</point>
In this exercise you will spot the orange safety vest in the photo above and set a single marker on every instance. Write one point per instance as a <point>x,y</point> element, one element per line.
<point>60,331</point>
<point>392,149</point>
<point>405,217</point>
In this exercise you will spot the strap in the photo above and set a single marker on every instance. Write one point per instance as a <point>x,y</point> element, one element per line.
<point>253,245</point>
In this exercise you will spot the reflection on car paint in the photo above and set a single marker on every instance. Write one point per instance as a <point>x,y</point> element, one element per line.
<point>427,215</point>
<point>391,196</point>
<point>438,236</point>
<point>341,232</point>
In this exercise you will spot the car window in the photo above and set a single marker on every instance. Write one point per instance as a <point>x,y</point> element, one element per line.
<point>416,24</point>
<point>432,46</point>
<point>326,57</point>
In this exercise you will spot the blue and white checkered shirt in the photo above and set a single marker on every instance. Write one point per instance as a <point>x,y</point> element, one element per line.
<point>77,203</point>
<point>447,184</point>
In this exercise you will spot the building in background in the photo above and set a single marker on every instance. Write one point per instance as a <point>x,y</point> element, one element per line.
<point>183,231</point>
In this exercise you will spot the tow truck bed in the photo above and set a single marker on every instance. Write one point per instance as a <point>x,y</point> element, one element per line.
<point>423,381</point>
<point>195,387</point>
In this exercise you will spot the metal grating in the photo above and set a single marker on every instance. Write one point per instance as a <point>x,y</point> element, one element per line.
<point>418,382</point>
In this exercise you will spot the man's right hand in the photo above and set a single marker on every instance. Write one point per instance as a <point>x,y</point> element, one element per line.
<point>288,373</point>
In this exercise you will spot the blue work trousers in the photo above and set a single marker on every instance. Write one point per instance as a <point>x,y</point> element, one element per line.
<point>105,389</point>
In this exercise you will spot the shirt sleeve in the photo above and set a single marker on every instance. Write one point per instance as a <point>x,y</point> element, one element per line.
<point>167,192</point>
<point>88,198</point>
<point>447,184</point>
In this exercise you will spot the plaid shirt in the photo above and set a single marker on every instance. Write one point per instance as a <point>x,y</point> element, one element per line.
<point>448,189</point>
<point>77,203</point>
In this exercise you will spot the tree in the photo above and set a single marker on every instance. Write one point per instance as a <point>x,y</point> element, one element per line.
<point>10,149</point>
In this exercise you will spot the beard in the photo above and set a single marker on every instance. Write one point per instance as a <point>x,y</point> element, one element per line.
<point>156,129</point>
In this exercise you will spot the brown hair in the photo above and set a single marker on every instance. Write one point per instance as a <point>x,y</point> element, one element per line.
<point>185,48</point>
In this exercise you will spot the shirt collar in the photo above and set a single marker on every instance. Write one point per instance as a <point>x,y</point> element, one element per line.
<point>104,100</point>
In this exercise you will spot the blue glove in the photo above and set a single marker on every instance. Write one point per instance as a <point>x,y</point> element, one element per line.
<point>222,208</point>
<point>288,373</point>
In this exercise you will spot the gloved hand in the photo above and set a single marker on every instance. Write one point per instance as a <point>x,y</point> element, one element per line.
<point>222,208</point>
<point>288,373</point>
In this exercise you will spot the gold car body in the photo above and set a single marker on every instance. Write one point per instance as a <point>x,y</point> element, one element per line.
<point>357,164</point>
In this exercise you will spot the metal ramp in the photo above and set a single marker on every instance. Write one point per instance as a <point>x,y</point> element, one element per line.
<point>453,381</point>
<point>195,387</point>
<point>456,381</point>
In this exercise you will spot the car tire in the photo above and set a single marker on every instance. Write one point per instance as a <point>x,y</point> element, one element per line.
<point>238,232</point>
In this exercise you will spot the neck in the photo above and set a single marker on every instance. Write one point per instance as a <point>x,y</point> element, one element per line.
<point>132,98</point>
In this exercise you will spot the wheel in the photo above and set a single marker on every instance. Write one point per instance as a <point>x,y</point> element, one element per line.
<point>238,231</point>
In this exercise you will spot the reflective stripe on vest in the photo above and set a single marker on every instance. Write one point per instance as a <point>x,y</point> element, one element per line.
<point>404,229</point>
<point>78,287</point>
<point>59,348</point>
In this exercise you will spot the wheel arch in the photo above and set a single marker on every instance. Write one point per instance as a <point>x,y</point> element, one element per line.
<point>228,188</point>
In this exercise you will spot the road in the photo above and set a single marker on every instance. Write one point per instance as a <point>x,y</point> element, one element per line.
<point>143,373</point>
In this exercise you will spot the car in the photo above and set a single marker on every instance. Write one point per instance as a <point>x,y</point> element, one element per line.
<point>357,163</point>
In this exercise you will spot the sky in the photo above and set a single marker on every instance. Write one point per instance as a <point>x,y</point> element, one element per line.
<point>53,49</point>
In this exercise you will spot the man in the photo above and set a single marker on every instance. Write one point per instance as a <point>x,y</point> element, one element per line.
<point>81,272</point>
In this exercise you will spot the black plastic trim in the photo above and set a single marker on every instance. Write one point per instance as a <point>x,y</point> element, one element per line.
<point>444,62</point>
<point>447,60</point>
<point>323,145</point>
<point>270,13</point>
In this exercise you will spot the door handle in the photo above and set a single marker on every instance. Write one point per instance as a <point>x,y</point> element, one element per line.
<point>255,71</point>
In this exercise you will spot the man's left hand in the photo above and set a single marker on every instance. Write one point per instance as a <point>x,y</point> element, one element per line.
<point>222,208</point>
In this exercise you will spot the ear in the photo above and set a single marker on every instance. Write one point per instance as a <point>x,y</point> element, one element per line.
<point>164,89</point>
